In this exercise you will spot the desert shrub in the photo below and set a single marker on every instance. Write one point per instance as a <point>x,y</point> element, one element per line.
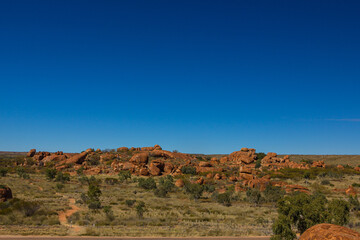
<point>354,203</point>
<point>3,172</point>
<point>147,183</point>
<point>273,194</point>
<point>140,209</point>
<point>194,190</point>
<point>188,170</point>
<point>209,188</point>
<point>62,177</point>
<point>59,186</point>
<point>130,202</point>
<point>166,185</point>
<point>260,155</point>
<point>339,212</point>
<point>94,159</point>
<point>26,207</point>
<point>83,180</point>
<point>111,181</point>
<point>223,198</point>
<point>109,213</point>
<point>22,173</point>
<point>50,173</point>
<point>307,161</point>
<point>254,196</point>
<point>301,211</point>
<point>80,170</point>
<point>94,180</point>
<point>325,182</point>
<point>124,175</point>
<point>356,185</point>
<point>258,163</point>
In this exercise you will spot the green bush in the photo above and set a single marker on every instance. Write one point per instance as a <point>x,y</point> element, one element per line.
<point>22,173</point>
<point>273,194</point>
<point>166,185</point>
<point>124,175</point>
<point>325,182</point>
<point>3,172</point>
<point>188,170</point>
<point>111,181</point>
<point>50,173</point>
<point>94,159</point>
<point>62,177</point>
<point>301,211</point>
<point>223,198</point>
<point>140,209</point>
<point>130,202</point>
<point>194,190</point>
<point>254,196</point>
<point>147,183</point>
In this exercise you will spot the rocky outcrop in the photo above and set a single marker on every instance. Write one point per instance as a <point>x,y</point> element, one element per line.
<point>31,153</point>
<point>140,158</point>
<point>5,193</point>
<point>327,231</point>
<point>244,156</point>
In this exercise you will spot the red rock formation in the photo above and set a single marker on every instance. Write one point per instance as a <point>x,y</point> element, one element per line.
<point>327,231</point>
<point>31,153</point>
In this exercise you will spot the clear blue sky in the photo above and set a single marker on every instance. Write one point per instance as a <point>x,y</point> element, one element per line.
<point>196,76</point>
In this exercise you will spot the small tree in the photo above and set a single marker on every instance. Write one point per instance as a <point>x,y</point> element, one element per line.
<point>124,175</point>
<point>254,196</point>
<point>93,196</point>
<point>147,183</point>
<point>50,173</point>
<point>3,172</point>
<point>194,190</point>
<point>140,209</point>
<point>62,177</point>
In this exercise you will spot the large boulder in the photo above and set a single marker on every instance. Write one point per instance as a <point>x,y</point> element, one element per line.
<point>78,158</point>
<point>5,193</point>
<point>327,231</point>
<point>140,158</point>
<point>31,153</point>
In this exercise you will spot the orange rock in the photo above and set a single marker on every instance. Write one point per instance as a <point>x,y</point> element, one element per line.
<point>350,191</point>
<point>168,167</point>
<point>154,171</point>
<point>340,167</point>
<point>357,169</point>
<point>246,176</point>
<point>122,149</point>
<point>31,153</point>
<point>144,172</point>
<point>147,148</point>
<point>204,164</point>
<point>232,178</point>
<point>327,231</point>
<point>140,158</point>
<point>217,176</point>
<point>224,159</point>
<point>200,181</point>
<point>179,183</point>
<point>78,158</point>
<point>157,147</point>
